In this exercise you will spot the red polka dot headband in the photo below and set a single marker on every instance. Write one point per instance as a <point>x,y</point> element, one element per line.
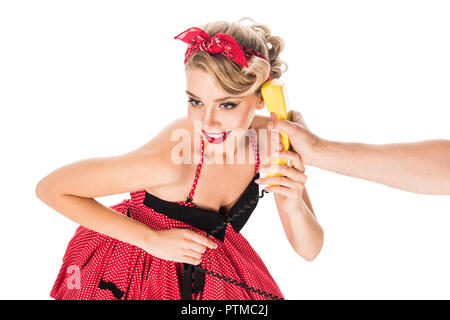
<point>222,43</point>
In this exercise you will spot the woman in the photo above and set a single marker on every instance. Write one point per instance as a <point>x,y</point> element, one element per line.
<point>154,246</point>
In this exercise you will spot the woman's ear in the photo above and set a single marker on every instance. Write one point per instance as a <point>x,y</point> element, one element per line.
<point>260,104</point>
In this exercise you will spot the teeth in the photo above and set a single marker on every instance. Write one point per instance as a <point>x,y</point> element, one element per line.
<point>215,135</point>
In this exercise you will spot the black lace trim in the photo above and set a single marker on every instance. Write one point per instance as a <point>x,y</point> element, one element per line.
<point>214,224</point>
<point>118,294</point>
<point>251,204</point>
<point>208,220</point>
<point>197,273</point>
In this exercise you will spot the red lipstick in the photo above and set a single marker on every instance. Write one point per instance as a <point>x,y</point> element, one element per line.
<point>216,138</point>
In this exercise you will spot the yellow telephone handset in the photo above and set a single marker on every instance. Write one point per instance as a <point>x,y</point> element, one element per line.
<point>275,97</point>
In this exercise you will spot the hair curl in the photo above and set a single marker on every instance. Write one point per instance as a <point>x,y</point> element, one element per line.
<point>227,74</point>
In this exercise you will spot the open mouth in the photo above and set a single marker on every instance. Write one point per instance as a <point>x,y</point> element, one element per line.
<point>216,137</point>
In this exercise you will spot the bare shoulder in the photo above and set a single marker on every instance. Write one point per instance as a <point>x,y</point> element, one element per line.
<point>164,151</point>
<point>164,139</point>
<point>147,166</point>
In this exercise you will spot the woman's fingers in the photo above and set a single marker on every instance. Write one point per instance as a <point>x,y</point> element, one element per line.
<point>295,158</point>
<point>190,260</point>
<point>289,172</point>
<point>294,176</point>
<point>281,190</point>
<point>202,240</point>
<point>283,181</point>
<point>192,253</point>
<point>196,247</point>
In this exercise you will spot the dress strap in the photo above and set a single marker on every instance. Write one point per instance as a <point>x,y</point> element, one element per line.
<point>255,149</point>
<point>194,185</point>
<point>199,167</point>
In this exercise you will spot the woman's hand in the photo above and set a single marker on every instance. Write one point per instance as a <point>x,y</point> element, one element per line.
<point>179,245</point>
<point>288,193</point>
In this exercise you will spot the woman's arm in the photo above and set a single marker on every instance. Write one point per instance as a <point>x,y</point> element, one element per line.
<point>93,215</point>
<point>301,227</point>
<point>300,224</point>
<point>71,189</point>
<point>297,216</point>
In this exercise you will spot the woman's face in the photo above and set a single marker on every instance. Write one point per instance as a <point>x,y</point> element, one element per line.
<point>215,112</point>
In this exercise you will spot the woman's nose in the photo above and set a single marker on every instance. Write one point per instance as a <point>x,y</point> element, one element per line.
<point>209,118</point>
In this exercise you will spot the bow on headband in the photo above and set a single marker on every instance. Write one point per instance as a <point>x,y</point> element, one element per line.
<point>220,43</point>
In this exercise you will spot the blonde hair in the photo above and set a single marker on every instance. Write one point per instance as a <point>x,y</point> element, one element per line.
<point>228,75</point>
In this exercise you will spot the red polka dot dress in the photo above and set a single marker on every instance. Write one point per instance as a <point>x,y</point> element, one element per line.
<point>96,266</point>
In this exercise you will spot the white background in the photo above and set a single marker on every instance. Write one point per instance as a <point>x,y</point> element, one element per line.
<point>81,79</point>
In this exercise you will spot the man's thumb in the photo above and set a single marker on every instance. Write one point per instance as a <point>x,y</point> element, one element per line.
<point>286,126</point>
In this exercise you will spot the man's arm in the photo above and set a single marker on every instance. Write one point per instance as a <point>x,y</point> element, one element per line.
<point>420,167</point>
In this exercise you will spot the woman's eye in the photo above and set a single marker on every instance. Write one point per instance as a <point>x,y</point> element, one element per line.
<point>227,106</point>
<point>191,102</point>
<point>230,105</point>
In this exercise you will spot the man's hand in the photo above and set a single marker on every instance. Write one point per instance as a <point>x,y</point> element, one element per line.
<point>420,167</point>
<point>302,140</point>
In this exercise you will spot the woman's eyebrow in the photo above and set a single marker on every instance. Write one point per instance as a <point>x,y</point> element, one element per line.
<point>217,100</point>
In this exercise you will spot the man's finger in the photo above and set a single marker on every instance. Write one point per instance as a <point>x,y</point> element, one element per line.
<point>298,118</point>
<point>287,126</point>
